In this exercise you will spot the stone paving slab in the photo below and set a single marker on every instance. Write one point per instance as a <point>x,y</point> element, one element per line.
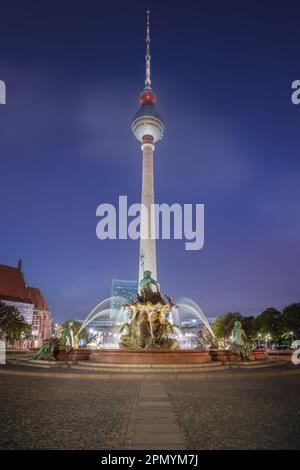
<point>152,427</point>
<point>156,415</point>
<point>155,424</point>
<point>146,438</point>
<point>160,447</point>
<point>152,413</point>
<point>155,404</point>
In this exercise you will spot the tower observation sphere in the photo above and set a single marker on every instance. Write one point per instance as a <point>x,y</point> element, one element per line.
<point>147,121</point>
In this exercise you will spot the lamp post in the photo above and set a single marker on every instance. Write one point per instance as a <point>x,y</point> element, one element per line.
<point>268,338</point>
<point>258,336</point>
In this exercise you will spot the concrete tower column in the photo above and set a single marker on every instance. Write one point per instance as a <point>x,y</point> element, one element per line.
<point>147,228</point>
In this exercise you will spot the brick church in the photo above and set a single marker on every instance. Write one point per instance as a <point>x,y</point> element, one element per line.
<point>30,303</point>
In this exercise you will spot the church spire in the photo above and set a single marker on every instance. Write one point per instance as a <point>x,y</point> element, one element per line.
<point>20,265</point>
<point>148,56</point>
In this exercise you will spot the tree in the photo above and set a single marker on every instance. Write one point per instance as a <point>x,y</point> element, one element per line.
<point>291,320</point>
<point>224,323</point>
<point>248,324</point>
<point>12,324</point>
<point>269,324</point>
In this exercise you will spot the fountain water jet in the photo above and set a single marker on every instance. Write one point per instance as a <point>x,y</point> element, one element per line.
<point>186,306</point>
<point>100,310</point>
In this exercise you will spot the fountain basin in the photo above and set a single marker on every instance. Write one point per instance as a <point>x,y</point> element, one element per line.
<point>73,356</point>
<point>140,356</point>
<point>133,356</point>
<point>225,355</point>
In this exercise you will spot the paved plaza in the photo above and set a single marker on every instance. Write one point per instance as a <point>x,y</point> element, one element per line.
<point>43,413</point>
<point>232,410</point>
<point>244,413</point>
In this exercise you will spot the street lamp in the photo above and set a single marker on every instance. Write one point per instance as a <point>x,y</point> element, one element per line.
<point>259,335</point>
<point>268,339</point>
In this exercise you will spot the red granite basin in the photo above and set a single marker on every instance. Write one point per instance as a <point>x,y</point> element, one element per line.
<point>133,356</point>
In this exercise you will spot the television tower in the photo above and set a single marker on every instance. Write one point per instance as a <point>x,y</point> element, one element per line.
<point>148,128</point>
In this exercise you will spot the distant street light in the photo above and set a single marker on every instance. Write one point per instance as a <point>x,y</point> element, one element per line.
<point>268,338</point>
<point>259,335</point>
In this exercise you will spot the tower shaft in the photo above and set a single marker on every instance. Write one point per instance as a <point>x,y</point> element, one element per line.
<point>147,227</point>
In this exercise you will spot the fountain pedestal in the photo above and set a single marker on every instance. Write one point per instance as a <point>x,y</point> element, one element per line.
<point>136,356</point>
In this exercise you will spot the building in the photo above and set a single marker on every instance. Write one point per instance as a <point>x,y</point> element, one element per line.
<point>30,303</point>
<point>42,318</point>
<point>13,290</point>
<point>148,128</point>
<point>122,291</point>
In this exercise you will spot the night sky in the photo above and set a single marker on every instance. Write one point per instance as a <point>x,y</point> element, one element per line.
<point>222,72</point>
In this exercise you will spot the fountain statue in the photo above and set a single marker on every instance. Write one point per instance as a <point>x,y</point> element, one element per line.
<point>68,339</point>
<point>48,350</point>
<point>148,326</point>
<point>206,341</point>
<point>96,341</point>
<point>64,338</point>
<point>239,343</point>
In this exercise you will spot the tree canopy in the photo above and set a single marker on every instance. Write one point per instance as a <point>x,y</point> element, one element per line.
<point>12,323</point>
<point>271,324</point>
<point>291,319</point>
<point>224,323</point>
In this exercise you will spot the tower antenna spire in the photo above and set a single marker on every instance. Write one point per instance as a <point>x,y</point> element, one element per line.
<point>148,56</point>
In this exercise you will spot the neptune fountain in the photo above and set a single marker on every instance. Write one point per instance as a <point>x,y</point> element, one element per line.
<point>149,326</point>
<point>152,329</point>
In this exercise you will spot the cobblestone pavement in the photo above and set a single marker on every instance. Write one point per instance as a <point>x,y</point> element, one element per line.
<point>241,413</point>
<point>43,413</point>
<point>233,411</point>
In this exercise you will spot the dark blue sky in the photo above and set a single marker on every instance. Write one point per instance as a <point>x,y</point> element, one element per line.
<point>222,72</point>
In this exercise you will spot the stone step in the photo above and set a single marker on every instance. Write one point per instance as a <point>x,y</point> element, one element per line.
<point>128,370</point>
<point>103,365</point>
<point>255,364</point>
<point>147,370</point>
<point>36,363</point>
